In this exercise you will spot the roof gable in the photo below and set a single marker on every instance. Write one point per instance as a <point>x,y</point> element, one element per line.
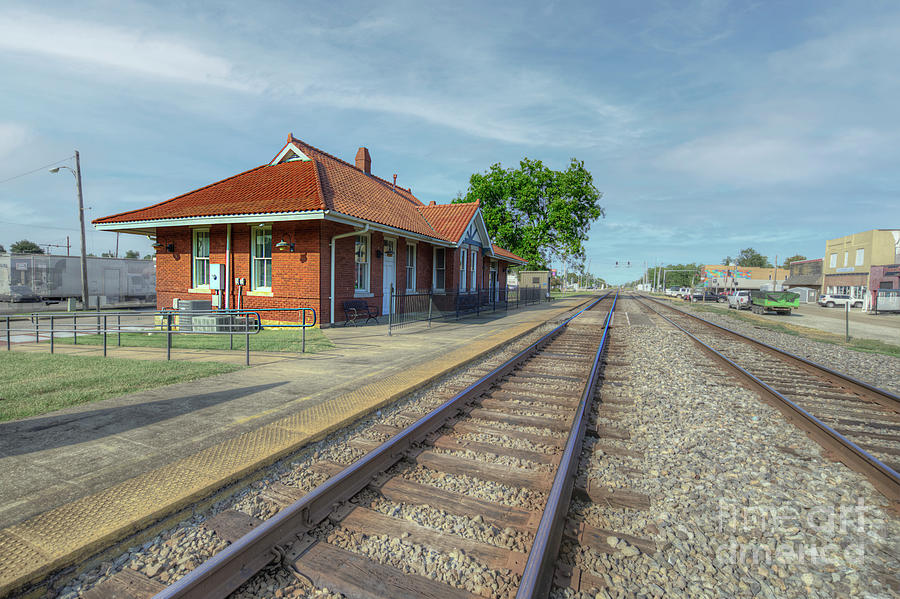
<point>450,221</point>
<point>290,153</point>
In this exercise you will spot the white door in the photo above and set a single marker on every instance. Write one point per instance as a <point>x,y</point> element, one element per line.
<point>495,291</point>
<point>389,276</point>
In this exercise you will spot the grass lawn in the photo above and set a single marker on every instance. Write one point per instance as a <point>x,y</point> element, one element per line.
<point>32,384</point>
<point>865,345</point>
<point>283,340</point>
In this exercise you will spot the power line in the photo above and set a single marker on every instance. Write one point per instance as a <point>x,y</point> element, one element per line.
<point>40,168</point>
<point>38,226</point>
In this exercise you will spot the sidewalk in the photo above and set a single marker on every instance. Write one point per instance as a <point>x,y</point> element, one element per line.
<point>98,472</point>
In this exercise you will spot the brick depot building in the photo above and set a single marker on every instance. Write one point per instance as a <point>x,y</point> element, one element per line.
<point>287,233</point>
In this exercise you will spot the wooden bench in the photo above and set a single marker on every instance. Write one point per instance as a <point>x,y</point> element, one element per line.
<point>356,309</point>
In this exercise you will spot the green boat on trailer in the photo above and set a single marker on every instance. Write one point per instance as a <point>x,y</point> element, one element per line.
<point>779,302</point>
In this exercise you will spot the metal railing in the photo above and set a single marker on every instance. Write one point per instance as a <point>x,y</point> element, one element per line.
<point>43,326</point>
<point>428,305</point>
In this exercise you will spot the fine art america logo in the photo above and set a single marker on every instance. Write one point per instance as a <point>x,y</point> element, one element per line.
<point>823,535</point>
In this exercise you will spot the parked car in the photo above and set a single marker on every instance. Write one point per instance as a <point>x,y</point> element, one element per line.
<point>672,291</point>
<point>723,297</point>
<point>739,300</point>
<point>704,295</point>
<point>830,300</point>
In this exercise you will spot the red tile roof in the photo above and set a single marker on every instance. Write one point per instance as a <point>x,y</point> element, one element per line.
<point>449,220</point>
<point>351,191</point>
<point>285,187</point>
<point>324,182</point>
<point>500,252</point>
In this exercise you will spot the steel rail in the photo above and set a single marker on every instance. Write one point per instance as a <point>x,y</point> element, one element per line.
<point>885,398</point>
<point>227,570</point>
<point>538,574</point>
<point>885,478</point>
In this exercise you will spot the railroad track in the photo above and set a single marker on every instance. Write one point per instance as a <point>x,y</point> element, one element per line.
<point>857,423</point>
<point>520,427</point>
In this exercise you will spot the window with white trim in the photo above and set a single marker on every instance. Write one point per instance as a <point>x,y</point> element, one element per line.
<point>440,268</point>
<point>846,257</point>
<point>832,262</point>
<point>261,259</point>
<point>361,260</point>
<point>860,256</point>
<point>410,267</point>
<point>473,260</point>
<point>463,273</point>
<point>200,259</point>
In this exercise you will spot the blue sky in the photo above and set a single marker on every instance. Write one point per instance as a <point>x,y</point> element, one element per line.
<point>709,126</point>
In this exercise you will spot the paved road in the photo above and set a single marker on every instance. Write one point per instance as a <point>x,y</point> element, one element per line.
<point>863,325</point>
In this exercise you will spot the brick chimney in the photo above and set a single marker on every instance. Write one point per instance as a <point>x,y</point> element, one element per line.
<point>364,161</point>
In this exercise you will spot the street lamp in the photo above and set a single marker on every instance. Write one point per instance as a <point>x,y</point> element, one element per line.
<point>77,173</point>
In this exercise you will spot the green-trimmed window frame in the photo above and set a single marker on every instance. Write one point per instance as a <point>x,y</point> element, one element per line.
<point>261,258</point>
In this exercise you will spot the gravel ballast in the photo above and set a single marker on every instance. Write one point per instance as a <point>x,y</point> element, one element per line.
<point>876,369</point>
<point>743,504</point>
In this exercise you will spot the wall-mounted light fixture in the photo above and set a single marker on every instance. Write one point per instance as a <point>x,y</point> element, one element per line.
<point>284,245</point>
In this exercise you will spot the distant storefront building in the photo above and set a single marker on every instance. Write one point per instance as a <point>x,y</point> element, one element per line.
<point>805,274</point>
<point>535,278</point>
<point>849,261</point>
<point>719,276</point>
<point>885,277</point>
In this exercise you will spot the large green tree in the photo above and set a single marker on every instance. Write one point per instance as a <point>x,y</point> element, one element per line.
<point>749,257</point>
<point>797,258</point>
<point>676,275</point>
<point>536,212</point>
<point>133,254</point>
<point>25,247</point>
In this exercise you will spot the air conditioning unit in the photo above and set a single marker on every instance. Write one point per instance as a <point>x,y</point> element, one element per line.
<point>175,303</point>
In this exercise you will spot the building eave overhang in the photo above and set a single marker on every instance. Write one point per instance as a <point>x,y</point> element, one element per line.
<point>148,227</point>
<point>211,220</point>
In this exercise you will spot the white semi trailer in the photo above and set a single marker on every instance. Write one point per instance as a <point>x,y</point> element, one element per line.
<point>30,277</point>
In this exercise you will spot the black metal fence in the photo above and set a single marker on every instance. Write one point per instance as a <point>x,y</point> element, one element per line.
<point>428,306</point>
<point>41,326</point>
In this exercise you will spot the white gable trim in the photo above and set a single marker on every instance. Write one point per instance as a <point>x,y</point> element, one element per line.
<point>481,229</point>
<point>290,148</point>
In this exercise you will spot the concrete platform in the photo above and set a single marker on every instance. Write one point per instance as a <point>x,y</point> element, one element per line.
<point>74,481</point>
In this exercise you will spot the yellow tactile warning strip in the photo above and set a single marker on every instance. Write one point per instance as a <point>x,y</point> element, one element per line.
<point>73,532</point>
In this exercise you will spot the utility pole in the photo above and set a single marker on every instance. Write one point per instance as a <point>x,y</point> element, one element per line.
<point>84,275</point>
<point>775,276</point>
<point>77,173</point>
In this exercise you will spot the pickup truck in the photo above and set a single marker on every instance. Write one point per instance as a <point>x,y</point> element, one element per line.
<point>739,300</point>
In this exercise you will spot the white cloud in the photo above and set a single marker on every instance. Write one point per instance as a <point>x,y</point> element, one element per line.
<point>762,156</point>
<point>12,137</point>
<point>124,48</point>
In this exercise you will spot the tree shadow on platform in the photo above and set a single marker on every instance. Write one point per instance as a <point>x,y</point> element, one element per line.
<point>19,437</point>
